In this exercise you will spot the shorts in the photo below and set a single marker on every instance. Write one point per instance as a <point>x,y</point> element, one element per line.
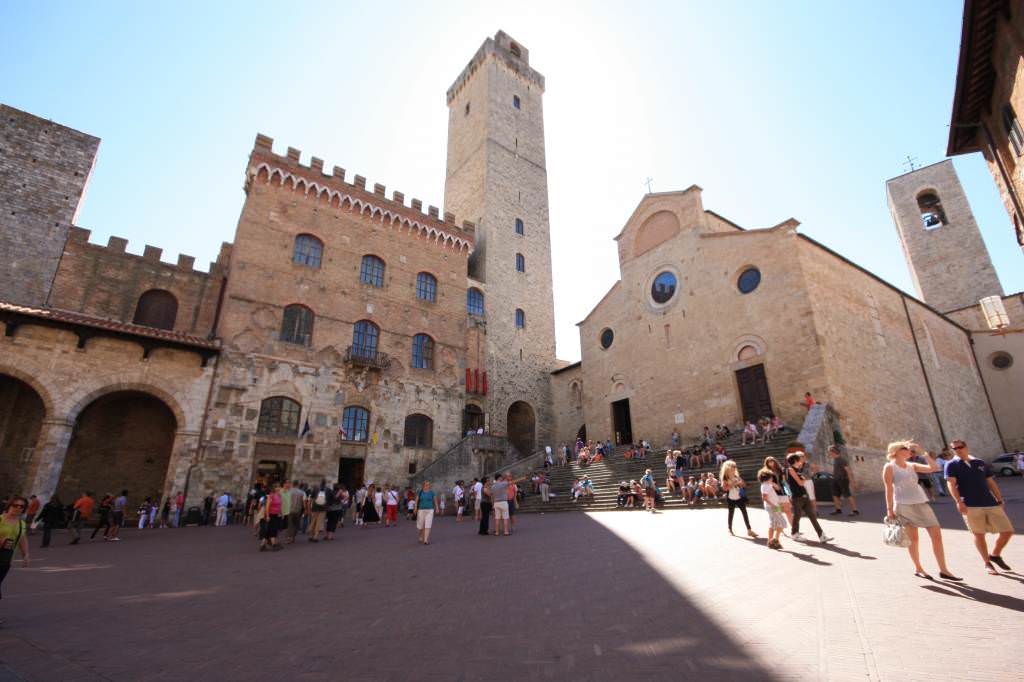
<point>919,515</point>
<point>500,510</point>
<point>476,505</point>
<point>776,519</point>
<point>119,518</point>
<point>424,519</point>
<point>461,505</point>
<point>988,520</point>
<point>841,487</point>
<point>273,525</point>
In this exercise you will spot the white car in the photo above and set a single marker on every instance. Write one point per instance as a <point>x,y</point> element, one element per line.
<point>1005,465</point>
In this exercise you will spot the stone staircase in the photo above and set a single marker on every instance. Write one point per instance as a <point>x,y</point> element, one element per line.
<point>607,474</point>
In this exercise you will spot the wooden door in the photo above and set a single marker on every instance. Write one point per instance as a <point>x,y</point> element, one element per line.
<point>755,400</point>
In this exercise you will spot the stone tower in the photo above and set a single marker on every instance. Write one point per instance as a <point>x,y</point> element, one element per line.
<point>44,170</point>
<point>497,177</point>
<point>948,260</point>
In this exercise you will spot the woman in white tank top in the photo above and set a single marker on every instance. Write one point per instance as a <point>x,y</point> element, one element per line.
<point>905,500</point>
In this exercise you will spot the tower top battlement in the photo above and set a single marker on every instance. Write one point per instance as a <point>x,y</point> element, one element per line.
<point>505,51</point>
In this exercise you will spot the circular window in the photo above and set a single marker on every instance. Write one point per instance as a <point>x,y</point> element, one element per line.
<point>664,287</point>
<point>607,336</point>
<point>749,280</point>
<point>1002,360</point>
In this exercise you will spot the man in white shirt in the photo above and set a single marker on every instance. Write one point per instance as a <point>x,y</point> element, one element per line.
<point>458,494</point>
<point>478,495</point>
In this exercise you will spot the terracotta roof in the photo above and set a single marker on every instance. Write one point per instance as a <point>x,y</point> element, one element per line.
<point>73,318</point>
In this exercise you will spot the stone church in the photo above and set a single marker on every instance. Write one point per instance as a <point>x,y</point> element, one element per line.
<point>348,334</point>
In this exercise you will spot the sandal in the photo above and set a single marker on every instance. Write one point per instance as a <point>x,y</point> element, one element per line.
<point>923,576</point>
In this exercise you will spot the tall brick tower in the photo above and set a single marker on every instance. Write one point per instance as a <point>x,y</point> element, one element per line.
<point>44,169</point>
<point>948,260</point>
<point>497,177</point>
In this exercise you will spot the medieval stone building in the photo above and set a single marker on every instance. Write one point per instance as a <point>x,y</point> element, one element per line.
<point>347,334</point>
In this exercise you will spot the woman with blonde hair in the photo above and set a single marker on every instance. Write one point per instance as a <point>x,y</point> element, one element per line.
<point>906,501</point>
<point>734,486</point>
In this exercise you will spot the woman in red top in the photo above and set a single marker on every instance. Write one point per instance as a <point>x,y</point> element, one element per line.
<point>273,516</point>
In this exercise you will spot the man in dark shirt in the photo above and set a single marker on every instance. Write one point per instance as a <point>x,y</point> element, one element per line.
<point>801,501</point>
<point>842,483</point>
<point>979,500</point>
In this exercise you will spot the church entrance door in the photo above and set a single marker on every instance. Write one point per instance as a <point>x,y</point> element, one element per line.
<point>621,422</point>
<point>755,400</point>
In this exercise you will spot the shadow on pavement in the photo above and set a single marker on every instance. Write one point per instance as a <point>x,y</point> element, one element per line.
<point>977,594</point>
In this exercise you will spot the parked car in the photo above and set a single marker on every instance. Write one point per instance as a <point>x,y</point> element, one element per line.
<point>1005,465</point>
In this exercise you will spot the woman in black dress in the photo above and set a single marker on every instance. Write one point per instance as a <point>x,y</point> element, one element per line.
<point>369,510</point>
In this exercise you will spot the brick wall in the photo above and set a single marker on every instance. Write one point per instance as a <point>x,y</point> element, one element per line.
<point>44,169</point>
<point>106,281</point>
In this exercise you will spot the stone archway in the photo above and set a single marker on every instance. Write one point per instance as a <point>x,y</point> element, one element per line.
<point>22,411</point>
<point>522,427</point>
<point>121,440</point>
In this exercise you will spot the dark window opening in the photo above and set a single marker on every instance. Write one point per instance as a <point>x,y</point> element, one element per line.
<point>932,213</point>
<point>515,101</point>
<point>520,320</point>
<point>355,424</point>
<point>520,263</point>
<point>749,280</point>
<point>371,271</point>
<point>520,228</point>
<point>1011,126</point>
<point>422,352</point>
<point>297,325</point>
<point>475,302</point>
<point>607,337</point>
<point>308,250</point>
<point>279,416</point>
<point>364,339</point>
<point>663,288</point>
<point>156,308</point>
<point>419,431</point>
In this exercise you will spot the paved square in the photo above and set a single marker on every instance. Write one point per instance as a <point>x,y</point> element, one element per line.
<point>601,596</point>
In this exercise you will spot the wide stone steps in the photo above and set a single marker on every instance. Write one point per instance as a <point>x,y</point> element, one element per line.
<point>607,474</point>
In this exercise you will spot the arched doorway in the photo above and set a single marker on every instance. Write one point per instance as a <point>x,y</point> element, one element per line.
<point>21,418</point>
<point>582,433</point>
<point>522,427</point>
<point>121,441</point>
<point>472,418</point>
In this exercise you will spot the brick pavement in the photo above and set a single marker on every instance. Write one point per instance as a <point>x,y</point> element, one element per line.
<point>587,596</point>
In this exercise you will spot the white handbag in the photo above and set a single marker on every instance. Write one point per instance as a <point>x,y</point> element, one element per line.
<point>894,534</point>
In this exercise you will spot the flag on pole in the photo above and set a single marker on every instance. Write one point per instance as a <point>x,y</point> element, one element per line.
<point>305,428</point>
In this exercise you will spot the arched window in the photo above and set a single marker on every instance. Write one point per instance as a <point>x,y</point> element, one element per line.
<point>426,287</point>
<point>297,324</point>
<point>364,339</point>
<point>308,250</point>
<point>371,271</point>
<point>520,263</point>
<point>279,416</point>
<point>156,308</point>
<point>520,228</point>
<point>932,214</point>
<point>475,302</point>
<point>355,424</point>
<point>1011,126</point>
<point>422,352</point>
<point>520,319</point>
<point>419,431</point>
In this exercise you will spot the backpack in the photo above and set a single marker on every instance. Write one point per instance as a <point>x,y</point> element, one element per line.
<point>321,498</point>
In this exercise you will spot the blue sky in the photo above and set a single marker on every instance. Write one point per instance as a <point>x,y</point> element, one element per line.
<point>778,110</point>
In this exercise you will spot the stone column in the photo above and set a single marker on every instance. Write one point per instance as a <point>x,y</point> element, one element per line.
<point>184,453</point>
<point>48,457</point>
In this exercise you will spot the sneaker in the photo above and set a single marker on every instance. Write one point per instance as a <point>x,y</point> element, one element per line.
<point>797,536</point>
<point>824,538</point>
<point>854,513</point>
<point>998,561</point>
<point>837,512</point>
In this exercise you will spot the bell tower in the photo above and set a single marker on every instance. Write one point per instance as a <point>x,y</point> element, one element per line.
<point>497,177</point>
<point>947,257</point>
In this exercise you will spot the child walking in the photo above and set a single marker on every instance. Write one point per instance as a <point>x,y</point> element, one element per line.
<point>772,505</point>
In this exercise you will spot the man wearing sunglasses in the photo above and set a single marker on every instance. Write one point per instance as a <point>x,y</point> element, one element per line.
<point>979,500</point>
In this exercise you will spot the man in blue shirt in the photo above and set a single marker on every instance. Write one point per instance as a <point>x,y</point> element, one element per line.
<point>979,500</point>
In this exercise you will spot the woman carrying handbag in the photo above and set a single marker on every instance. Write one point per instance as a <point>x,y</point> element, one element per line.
<point>907,504</point>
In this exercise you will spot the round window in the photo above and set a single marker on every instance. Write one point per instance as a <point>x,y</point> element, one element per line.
<point>1002,360</point>
<point>664,287</point>
<point>749,280</point>
<point>607,336</point>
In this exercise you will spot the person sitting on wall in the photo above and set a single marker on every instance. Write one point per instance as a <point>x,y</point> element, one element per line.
<point>623,497</point>
<point>636,494</point>
<point>588,487</point>
<point>711,487</point>
<point>721,456</point>
<point>577,490</point>
<point>694,458</point>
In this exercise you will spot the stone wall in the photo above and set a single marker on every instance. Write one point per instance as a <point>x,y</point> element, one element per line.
<point>285,199</point>
<point>69,379</point>
<point>949,264</point>
<point>876,361</point>
<point>676,362</point>
<point>567,391</point>
<point>496,173</point>
<point>44,170</point>
<point>106,281</point>
<point>1005,384</point>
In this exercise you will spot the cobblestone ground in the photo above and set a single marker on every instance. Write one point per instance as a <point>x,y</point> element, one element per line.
<point>600,596</point>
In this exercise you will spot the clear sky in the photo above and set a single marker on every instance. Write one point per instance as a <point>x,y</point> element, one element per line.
<point>778,110</point>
